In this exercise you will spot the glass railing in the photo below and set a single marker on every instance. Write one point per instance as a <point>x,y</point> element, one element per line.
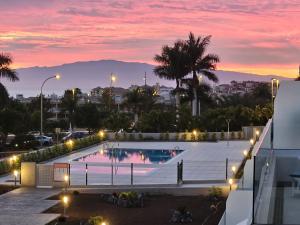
<point>277,187</point>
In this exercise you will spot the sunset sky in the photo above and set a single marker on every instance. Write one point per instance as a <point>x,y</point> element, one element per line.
<point>259,36</point>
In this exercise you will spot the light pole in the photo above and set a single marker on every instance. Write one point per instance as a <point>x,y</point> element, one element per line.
<point>112,80</point>
<point>228,127</point>
<point>57,77</point>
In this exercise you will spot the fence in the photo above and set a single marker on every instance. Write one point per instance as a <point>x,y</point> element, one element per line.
<point>93,174</point>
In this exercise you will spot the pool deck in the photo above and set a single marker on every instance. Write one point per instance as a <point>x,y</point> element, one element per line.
<point>203,161</point>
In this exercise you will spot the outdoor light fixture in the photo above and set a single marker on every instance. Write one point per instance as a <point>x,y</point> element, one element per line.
<point>230,183</point>
<point>113,78</point>
<point>66,178</point>
<point>65,201</point>
<point>251,141</point>
<point>103,223</point>
<point>16,175</point>
<point>70,143</point>
<point>194,132</point>
<point>57,77</point>
<point>233,169</point>
<point>101,133</point>
<point>257,132</point>
<point>245,152</point>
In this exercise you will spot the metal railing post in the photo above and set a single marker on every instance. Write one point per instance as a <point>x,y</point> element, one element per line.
<point>69,174</point>
<point>226,169</point>
<point>181,171</point>
<point>86,174</point>
<point>112,174</point>
<point>131,177</point>
<point>178,173</point>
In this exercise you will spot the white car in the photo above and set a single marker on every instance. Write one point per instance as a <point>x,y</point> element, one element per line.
<point>44,140</point>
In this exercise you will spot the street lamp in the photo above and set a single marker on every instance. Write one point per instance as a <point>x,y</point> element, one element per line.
<point>57,77</point>
<point>113,79</point>
<point>228,128</point>
<point>230,183</point>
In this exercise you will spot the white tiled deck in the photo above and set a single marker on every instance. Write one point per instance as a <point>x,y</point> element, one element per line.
<point>203,161</point>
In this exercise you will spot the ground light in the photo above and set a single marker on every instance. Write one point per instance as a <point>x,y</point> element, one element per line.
<point>65,201</point>
<point>16,175</point>
<point>230,182</point>
<point>251,141</point>
<point>257,135</point>
<point>233,169</point>
<point>66,179</point>
<point>70,144</point>
<point>245,153</point>
<point>101,133</point>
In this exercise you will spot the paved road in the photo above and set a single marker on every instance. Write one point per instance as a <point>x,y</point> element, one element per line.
<point>24,206</point>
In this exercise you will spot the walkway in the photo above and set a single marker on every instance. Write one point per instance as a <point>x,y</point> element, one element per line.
<point>24,206</point>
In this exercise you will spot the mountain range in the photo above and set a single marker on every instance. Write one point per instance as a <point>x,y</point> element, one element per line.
<point>90,74</point>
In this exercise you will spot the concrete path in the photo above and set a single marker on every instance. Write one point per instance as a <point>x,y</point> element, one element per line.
<point>24,206</point>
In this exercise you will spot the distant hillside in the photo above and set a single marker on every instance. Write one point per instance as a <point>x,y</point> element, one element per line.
<point>87,75</point>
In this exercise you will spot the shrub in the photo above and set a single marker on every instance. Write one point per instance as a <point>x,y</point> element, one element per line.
<point>215,193</point>
<point>184,137</point>
<point>140,136</point>
<point>117,137</point>
<point>240,135</point>
<point>75,192</point>
<point>214,137</point>
<point>95,220</point>
<point>124,136</point>
<point>161,136</point>
<point>205,136</point>
<point>177,137</point>
<point>167,136</point>
<point>222,135</point>
<point>131,137</point>
<point>232,135</point>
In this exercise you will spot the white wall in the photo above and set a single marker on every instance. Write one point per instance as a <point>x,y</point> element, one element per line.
<point>287,116</point>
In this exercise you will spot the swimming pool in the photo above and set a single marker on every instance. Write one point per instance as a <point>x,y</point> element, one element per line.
<point>129,155</point>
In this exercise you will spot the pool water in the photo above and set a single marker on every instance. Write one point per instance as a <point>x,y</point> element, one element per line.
<point>126,155</point>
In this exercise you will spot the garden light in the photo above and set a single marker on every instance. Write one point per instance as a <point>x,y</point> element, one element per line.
<point>65,200</point>
<point>16,175</point>
<point>103,223</point>
<point>70,143</point>
<point>230,183</point>
<point>57,76</point>
<point>257,133</point>
<point>251,141</point>
<point>194,132</point>
<point>101,151</point>
<point>101,133</point>
<point>245,153</point>
<point>113,78</point>
<point>66,178</point>
<point>233,169</point>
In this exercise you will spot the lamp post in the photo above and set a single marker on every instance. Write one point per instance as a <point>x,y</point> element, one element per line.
<point>16,175</point>
<point>57,77</point>
<point>65,200</point>
<point>228,127</point>
<point>112,80</point>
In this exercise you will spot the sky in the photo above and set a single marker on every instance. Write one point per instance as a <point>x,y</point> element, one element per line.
<point>258,36</point>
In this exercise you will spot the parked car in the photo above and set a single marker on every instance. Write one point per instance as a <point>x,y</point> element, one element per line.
<point>44,140</point>
<point>75,135</point>
<point>24,141</point>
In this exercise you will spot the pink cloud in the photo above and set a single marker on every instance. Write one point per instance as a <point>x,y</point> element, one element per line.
<point>245,33</point>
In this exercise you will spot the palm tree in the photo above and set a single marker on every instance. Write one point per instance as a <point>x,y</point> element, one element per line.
<point>200,63</point>
<point>6,72</point>
<point>134,101</point>
<point>172,66</point>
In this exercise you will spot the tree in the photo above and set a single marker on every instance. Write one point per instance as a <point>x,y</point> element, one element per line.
<point>88,116</point>
<point>8,73</point>
<point>199,63</point>
<point>172,66</point>
<point>69,103</point>
<point>134,101</point>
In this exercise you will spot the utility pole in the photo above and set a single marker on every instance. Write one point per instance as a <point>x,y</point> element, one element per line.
<point>145,79</point>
